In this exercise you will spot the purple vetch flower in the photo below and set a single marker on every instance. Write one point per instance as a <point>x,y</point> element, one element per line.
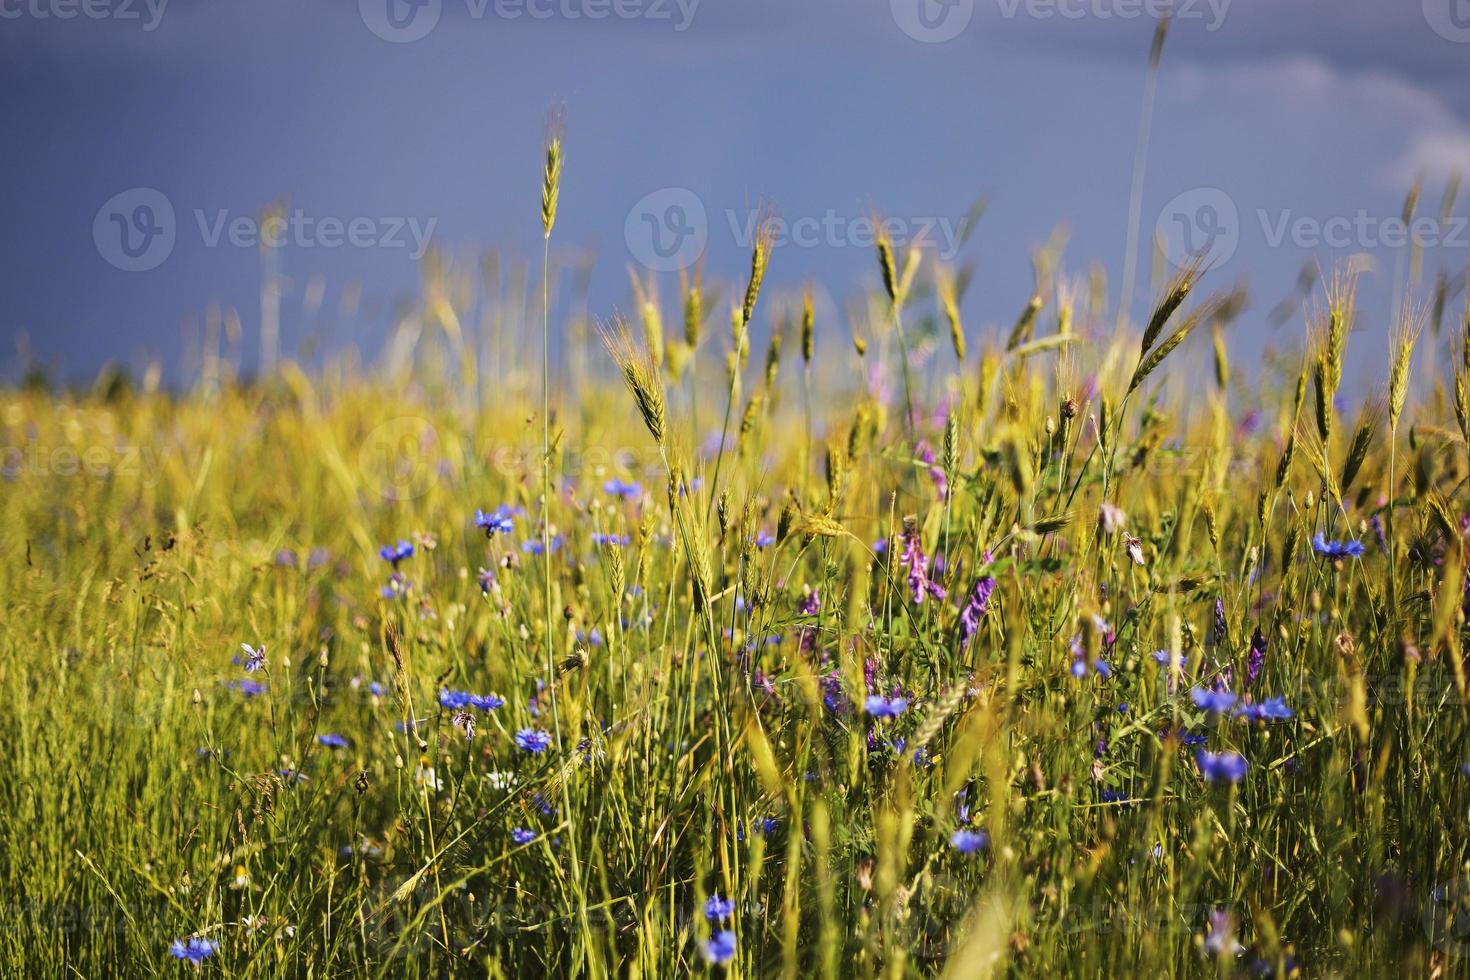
<point>974,610</point>
<point>913,559</point>
<point>523,836</point>
<point>880,707</point>
<point>936,474</point>
<point>1336,550</point>
<point>968,841</point>
<point>1217,767</point>
<point>810,604</point>
<point>1220,629</point>
<point>196,950</point>
<point>1257,658</point>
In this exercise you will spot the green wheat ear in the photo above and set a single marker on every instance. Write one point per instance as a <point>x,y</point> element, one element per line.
<point>551,173</point>
<point>640,374</point>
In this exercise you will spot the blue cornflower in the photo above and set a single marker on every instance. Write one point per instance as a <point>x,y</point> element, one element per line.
<point>1080,664</point>
<point>880,707</point>
<point>717,909</point>
<point>454,699</point>
<point>498,521</point>
<point>486,702</point>
<point>248,687</point>
<point>968,841</point>
<point>523,836</point>
<point>397,587</point>
<point>395,553</point>
<point>254,657</point>
<point>628,490</point>
<point>764,539</point>
<point>195,950</point>
<point>1221,766</point>
<point>532,740</point>
<point>1184,736</point>
<point>611,540</point>
<point>332,741</point>
<point>486,578</point>
<point>1271,709</point>
<point>1336,550</point>
<point>535,546</point>
<point>1215,702</point>
<point>720,948</point>
<point>1162,657</point>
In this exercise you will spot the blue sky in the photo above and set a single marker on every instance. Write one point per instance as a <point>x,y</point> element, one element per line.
<point>1308,118</point>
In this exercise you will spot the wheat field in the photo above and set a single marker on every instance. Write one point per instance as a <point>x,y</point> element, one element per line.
<point>885,647</point>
